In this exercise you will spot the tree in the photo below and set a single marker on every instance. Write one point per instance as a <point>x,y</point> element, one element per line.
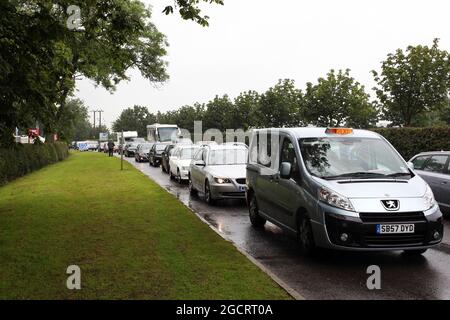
<point>338,100</point>
<point>218,114</point>
<point>280,106</point>
<point>75,122</point>
<point>134,119</point>
<point>189,10</point>
<point>41,57</point>
<point>414,82</point>
<point>245,108</point>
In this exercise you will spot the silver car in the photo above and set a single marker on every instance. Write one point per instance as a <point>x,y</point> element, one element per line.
<point>434,168</point>
<point>219,171</point>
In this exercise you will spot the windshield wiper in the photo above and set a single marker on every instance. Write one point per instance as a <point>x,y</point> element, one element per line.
<point>398,174</point>
<point>360,175</point>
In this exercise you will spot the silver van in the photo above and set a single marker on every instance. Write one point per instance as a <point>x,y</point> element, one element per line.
<point>340,188</point>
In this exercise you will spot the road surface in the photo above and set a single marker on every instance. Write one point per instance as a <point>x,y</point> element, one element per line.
<point>330,275</point>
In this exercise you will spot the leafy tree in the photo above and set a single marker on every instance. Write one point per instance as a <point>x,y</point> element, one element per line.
<point>189,10</point>
<point>414,82</point>
<point>134,119</point>
<point>338,100</point>
<point>75,122</point>
<point>245,107</point>
<point>280,106</point>
<point>218,114</point>
<point>41,57</point>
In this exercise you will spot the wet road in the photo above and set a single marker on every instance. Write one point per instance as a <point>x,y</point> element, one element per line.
<point>330,275</point>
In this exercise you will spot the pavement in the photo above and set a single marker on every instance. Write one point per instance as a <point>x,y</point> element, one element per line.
<point>331,274</point>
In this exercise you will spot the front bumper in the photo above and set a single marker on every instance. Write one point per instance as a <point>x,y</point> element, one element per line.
<point>362,234</point>
<point>227,190</point>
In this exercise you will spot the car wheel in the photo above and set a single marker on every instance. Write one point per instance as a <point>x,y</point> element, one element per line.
<point>170,174</point>
<point>178,176</point>
<point>192,190</point>
<point>208,197</point>
<point>305,236</point>
<point>414,253</point>
<point>162,168</point>
<point>256,220</point>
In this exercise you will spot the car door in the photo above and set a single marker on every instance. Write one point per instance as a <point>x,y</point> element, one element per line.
<point>286,192</point>
<point>433,174</point>
<point>172,161</point>
<point>195,170</point>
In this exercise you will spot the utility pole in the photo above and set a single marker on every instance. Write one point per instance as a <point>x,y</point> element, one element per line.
<point>100,119</point>
<point>94,111</point>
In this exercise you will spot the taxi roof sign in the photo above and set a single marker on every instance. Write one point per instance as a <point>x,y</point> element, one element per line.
<point>341,131</point>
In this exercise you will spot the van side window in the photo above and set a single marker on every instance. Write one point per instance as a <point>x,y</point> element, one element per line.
<point>264,149</point>
<point>288,155</point>
<point>436,164</point>
<point>419,162</point>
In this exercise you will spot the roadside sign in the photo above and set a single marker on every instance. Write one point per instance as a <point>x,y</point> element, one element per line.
<point>103,136</point>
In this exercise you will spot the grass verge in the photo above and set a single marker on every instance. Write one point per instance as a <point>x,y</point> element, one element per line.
<point>131,239</point>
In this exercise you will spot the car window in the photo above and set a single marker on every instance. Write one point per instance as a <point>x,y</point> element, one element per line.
<point>436,164</point>
<point>448,168</point>
<point>419,162</point>
<point>288,155</point>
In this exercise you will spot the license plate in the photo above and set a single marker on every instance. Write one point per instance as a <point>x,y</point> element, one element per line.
<point>395,228</point>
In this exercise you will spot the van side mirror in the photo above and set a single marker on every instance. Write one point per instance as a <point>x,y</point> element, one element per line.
<point>285,170</point>
<point>410,165</point>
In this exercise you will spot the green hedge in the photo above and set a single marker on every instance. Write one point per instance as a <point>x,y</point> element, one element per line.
<point>25,158</point>
<point>411,141</point>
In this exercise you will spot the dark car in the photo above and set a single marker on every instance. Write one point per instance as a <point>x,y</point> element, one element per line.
<point>142,150</point>
<point>434,168</point>
<point>154,156</point>
<point>165,157</point>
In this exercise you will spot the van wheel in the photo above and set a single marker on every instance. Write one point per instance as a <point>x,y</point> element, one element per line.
<point>414,253</point>
<point>305,236</point>
<point>208,197</point>
<point>256,220</point>
<point>192,190</point>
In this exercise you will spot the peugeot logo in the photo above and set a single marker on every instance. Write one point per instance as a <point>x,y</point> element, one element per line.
<point>391,205</point>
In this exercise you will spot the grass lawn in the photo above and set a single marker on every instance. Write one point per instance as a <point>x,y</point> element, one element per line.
<point>131,239</point>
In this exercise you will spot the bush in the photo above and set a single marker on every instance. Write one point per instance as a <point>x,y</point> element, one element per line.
<point>411,141</point>
<point>22,159</point>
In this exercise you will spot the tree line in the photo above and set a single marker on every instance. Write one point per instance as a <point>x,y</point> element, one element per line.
<point>412,89</point>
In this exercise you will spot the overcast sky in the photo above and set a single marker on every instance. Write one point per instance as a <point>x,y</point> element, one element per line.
<point>250,44</point>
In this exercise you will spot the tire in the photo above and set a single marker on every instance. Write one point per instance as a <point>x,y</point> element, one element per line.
<point>208,198</point>
<point>192,190</point>
<point>170,174</point>
<point>256,220</point>
<point>178,176</point>
<point>162,168</point>
<point>305,236</point>
<point>414,253</point>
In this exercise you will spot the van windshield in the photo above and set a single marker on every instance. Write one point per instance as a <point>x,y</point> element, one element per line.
<point>167,133</point>
<point>348,157</point>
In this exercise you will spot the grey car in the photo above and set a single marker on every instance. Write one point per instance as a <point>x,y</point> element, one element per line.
<point>340,188</point>
<point>434,168</point>
<point>219,171</point>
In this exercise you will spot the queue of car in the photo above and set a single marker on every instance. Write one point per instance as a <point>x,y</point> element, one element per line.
<point>334,188</point>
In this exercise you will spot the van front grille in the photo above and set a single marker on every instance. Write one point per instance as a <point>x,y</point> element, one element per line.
<point>394,240</point>
<point>388,217</point>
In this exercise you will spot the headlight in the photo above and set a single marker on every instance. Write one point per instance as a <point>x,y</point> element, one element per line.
<point>428,198</point>
<point>334,199</point>
<point>222,180</point>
